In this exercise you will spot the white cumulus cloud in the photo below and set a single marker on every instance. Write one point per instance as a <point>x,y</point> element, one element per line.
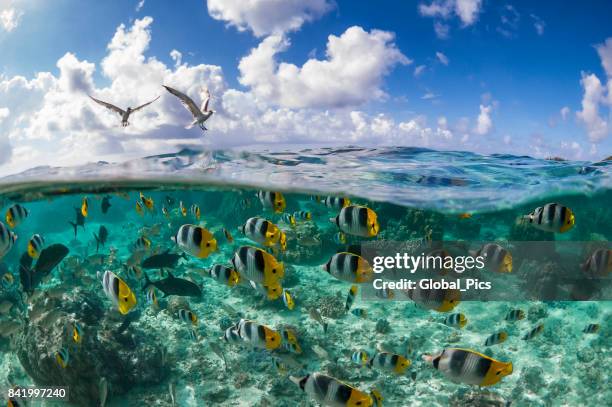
<point>466,10</point>
<point>177,57</point>
<point>484,123</point>
<point>352,73</point>
<point>264,17</point>
<point>49,118</point>
<point>605,54</point>
<point>597,95</point>
<point>10,18</point>
<point>52,120</point>
<point>4,113</point>
<point>596,126</point>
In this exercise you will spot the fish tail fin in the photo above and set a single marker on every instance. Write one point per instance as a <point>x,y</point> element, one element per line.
<point>427,358</point>
<point>74,225</point>
<point>521,220</point>
<point>296,380</point>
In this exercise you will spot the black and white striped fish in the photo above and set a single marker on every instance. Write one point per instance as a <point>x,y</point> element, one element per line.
<point>186,315</point>
<point>15,215</point>
<point>7,240</point>
<point>349,267</point>
<point>515,315</point>
<point>357,221</point>
<point>469,367</point>
<point>35,245</point>
<point>496,338</point>
<point>551,217</point>
<point>258,335</point>
<point>335,202</point>
<point>599,263</point>
<point>456,320</point>
<point>224,274</point>
<point>329,391</point>
<point>496,258</point>
<point>591,329</point>
<point>534,332</point>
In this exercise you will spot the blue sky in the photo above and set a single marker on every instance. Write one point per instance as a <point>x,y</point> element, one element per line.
<point>456,74</point>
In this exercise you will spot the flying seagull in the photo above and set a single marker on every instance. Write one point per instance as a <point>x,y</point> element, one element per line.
<point>125,114</point>
<point>199,115</point>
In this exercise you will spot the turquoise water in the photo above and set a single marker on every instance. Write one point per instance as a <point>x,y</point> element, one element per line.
<point>418,196</point>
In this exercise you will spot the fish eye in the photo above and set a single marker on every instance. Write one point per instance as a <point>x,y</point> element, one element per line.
<point>498,372</point>
<point>207,244</point>
<point>274,271</point>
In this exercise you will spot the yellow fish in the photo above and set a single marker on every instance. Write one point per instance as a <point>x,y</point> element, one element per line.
<point>288,300</point>
<point>272,200</point>
<point>85,207</point>
<point>148,202</point>
<point>228,235</point>
<point>469,367</point>
<point>357,221</point>
<point>118,292</point>
<point>62,357</point>
<point>196,241</point>
<point>15,215</point>
<point>139,209</point>
<point>77,333</point>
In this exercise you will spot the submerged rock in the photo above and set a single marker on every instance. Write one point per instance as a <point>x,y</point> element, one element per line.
<point>125,360</point>
<point>532,378</point>
<point>537,312</point>
<point>585,355</point>
<point>383,326</point>
<point>218,394</point>
<point>478,398</point>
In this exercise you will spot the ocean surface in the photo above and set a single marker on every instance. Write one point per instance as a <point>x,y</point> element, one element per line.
<point>84,306</point>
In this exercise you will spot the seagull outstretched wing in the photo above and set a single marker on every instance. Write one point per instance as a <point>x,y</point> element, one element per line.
<point>205,104</point>
<point>185,100</point>
<point>146,104</point>
<point>108,106</point>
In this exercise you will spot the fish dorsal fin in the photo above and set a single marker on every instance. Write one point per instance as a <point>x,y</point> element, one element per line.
<point>170,276</point>
<point>477,353</point>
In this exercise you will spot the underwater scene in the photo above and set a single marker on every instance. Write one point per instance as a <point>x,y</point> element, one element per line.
<point>220,278</point>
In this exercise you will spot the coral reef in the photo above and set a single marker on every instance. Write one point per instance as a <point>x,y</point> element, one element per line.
<point>125,360</point>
